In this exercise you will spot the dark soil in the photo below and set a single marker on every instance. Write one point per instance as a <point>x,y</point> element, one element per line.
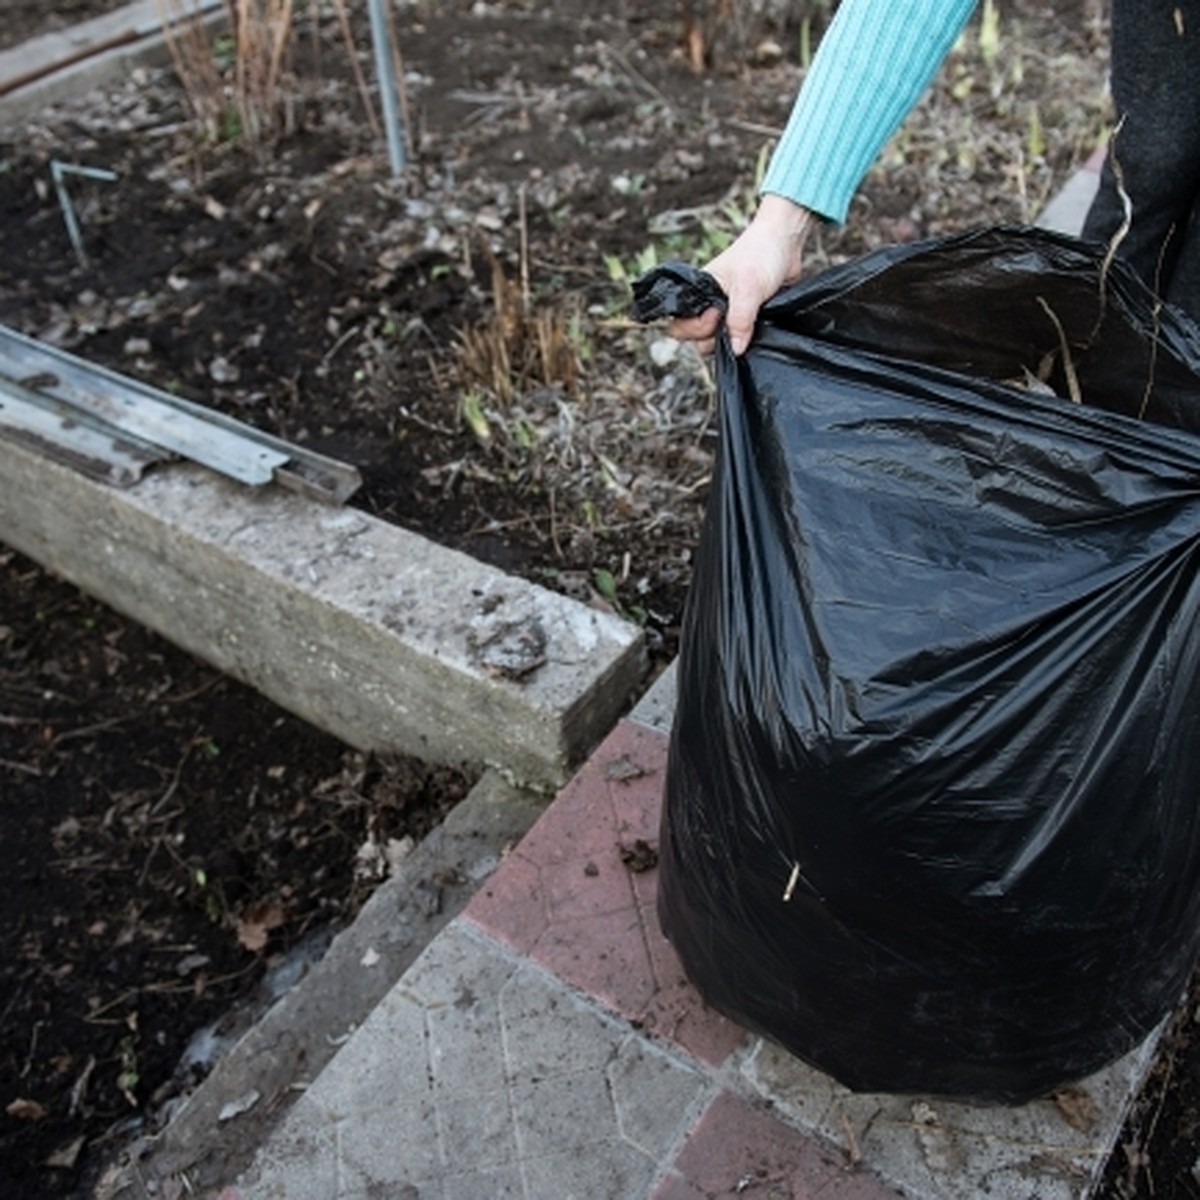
<point>459,335</point>
<point>171,839</point>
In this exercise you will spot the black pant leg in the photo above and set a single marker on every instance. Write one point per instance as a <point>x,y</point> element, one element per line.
<point>1156,92</point>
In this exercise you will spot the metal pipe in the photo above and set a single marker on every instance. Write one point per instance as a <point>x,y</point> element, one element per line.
<point>385,69</point>
<point>58,171</point>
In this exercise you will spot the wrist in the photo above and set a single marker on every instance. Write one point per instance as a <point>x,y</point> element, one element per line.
<point>784,217</point>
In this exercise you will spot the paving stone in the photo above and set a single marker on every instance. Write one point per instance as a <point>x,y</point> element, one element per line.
<point>531,1005</point>
<point>482,1075</point>
<point>622,1174</point>
<point>652,1098</point>
<point>500,1183</point>
<point>578,896</point>
<point>940,1149</point>
<point>737,1148</point>
<point>301,1163</point>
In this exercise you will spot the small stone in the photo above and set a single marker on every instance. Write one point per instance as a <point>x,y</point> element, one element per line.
<point>235,1108</point>
<point>221,370</point>
<point>664,351</point>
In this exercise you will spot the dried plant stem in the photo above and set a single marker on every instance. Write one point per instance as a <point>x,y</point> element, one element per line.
<point>523,231</point>
<point>1068,363</point>
<point>263,36</point>
<point>262,33</point>
<point>1158,269</point>
<point>191,55</point>
<point>1122,231</point>
<point>518,346</point>
<point>401,85</point>
<point>359,78</point>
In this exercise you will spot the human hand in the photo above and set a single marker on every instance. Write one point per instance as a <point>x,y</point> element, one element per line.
<point>767,255</point>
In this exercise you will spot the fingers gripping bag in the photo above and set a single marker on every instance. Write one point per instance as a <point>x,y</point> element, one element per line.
<point>931,818</point>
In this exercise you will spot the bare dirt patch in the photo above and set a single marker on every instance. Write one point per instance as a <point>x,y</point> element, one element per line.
<point>459,335</point>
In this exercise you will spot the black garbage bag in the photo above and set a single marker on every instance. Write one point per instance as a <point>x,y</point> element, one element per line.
<point>931,817</point>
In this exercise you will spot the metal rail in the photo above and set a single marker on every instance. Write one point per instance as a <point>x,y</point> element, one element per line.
<point>114,427</point>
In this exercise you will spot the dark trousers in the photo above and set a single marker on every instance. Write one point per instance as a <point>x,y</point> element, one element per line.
<point>1156,91</point>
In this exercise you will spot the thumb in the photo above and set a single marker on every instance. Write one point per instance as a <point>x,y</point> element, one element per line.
<point>739,321</point>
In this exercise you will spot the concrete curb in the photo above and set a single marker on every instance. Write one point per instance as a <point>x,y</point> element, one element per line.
<point>68,62</point>
<point>366,630</point>
<point>218,1127</point>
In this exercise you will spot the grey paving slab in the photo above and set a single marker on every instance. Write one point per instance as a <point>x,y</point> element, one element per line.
<point>482,1075</point>
<point>1067,210</point>
<point>937,1149</point>
<point>656,707</point>
<point>272,1054</point>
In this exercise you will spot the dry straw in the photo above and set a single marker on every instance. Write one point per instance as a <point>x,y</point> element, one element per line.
<point>258,104</point>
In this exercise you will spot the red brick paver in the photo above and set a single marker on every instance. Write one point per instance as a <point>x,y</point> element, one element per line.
<point>738,1149</point>
<point>578,894</point>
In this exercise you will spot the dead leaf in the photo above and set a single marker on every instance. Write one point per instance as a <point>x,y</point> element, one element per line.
<point>235,1108</point>
<point>254,927</point>
<point>66,1156</point>
<point>639,857</point>
<point>1078,1108</point>
<point>221,370</point>
<point>26,1110</point>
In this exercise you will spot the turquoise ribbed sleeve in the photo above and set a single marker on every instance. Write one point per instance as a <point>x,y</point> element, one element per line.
<point>873,64</point>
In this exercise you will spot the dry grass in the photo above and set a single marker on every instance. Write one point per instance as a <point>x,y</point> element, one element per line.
<point>246,92</point>
<point>520,346</point>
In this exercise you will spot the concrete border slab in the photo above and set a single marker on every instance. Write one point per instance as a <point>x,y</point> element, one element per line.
<point>218,1127</point>
<point>363,629</point>
<point>68,62</point>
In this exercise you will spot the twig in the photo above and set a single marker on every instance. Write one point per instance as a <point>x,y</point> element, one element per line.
<point>407,414</point>
<point>853,1153</point>
<point>33,1041</point>
<point>101,726</point>
<point>769,131</point>
<point>1122,231</point>
<point>328,355</point>
<point>356,66</point>
<point>176,775</point>
<point>98,727</point>
<point>793,879</point>
<point>184,697</point>
<point>10,765</point>
<point>523,229</point>
<point>165,988</point>
<point>79,1087</point>
<point>1156,314</point>
<point>634,75</point>
<point>1068,364</point>
<point>554,526</point>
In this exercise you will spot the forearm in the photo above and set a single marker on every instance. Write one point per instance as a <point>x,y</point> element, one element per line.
<point>872,66</point>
